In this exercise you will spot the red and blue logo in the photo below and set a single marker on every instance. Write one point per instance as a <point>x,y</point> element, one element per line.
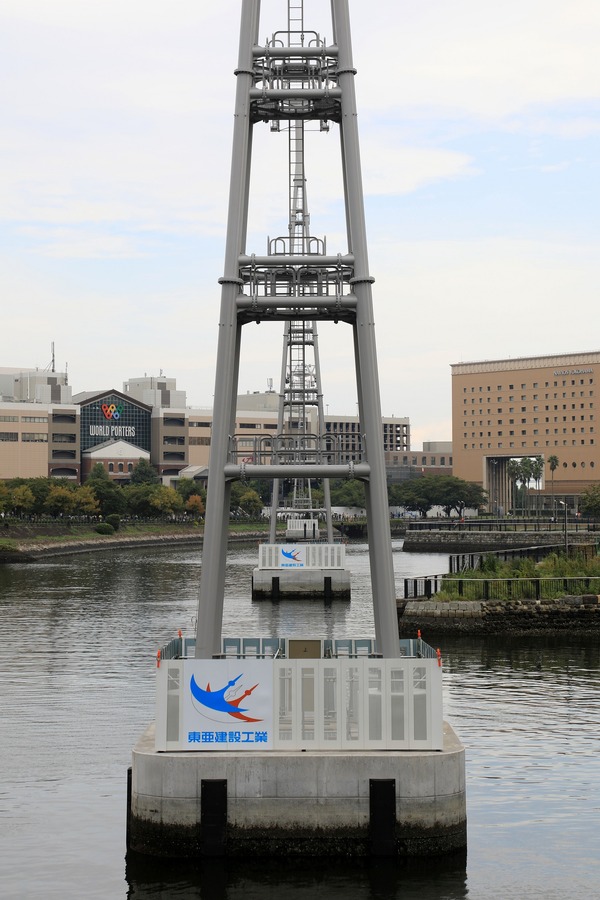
<point>226,700</point>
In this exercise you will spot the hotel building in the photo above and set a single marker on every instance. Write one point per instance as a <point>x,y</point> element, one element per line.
<point>535,406</point>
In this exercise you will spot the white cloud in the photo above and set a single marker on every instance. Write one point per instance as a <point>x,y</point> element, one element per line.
<point>116,144</point>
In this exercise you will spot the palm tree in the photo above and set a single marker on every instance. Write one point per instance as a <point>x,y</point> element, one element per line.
<point>537,468</point>
<point>553,463</point>
<point>512,470</point>
<point>525,476</point>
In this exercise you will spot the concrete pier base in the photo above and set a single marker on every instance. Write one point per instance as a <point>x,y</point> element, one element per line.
<point>314,803</point>
<point>300,584</point>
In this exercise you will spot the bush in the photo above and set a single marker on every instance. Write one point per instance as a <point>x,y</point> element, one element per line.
<point>104,528</point>
<point>114,519</point>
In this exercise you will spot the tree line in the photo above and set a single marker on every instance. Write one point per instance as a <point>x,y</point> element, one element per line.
<point>145,496</point>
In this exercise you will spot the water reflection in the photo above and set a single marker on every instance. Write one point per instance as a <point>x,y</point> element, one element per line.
<point>80,636</point>
<point>444,879</point>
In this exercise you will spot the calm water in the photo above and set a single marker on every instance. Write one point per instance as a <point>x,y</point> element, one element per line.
<point>80,636</point>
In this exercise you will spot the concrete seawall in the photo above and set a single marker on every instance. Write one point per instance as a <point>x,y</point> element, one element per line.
<point>460,540</point>
<point>500,616</point>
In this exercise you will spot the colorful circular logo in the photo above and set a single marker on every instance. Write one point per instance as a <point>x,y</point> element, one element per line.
<point>112,411</point>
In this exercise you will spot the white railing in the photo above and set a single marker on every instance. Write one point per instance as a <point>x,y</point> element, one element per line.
<point>301,556</point>
<point>299,704</point>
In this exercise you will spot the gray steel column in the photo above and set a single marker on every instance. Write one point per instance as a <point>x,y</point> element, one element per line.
<point>210,605</point>
<point>380,550</point>
<point>322,430</point>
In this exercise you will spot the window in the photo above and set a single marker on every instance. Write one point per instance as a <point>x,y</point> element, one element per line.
<point>58,438</point>
<point>111,467</point>
<point>31,437</point>
<point>9,436</point>
<point>9,418</point>
<point>64,418</point>
<point>34,418</point>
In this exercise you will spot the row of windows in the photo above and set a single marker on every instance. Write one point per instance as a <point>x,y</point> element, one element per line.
<point>535,420</point>
<point>200,441</point>
<point>524,397</point>
<point>120,467</point>
<point>24,418</point>
<point>534,385</point>
<point>27,436</point>
<point>433,461</point>
<point>500,445</point>
<point>523,432</point>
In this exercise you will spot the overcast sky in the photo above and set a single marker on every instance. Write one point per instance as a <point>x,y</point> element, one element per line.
<point>480,142</point>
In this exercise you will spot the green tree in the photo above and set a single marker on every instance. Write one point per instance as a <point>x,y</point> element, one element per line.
<point>589,501</point>
<point>245,500</point>
<point>138,499</point>
<point>39,487</point>
<point>4,497</point>
<point>451,493</point>
<point>513,470</point>
<point>144,473</point>
<point>525,477</point>
<point>187,487</point>
<point>251,503</point>
<point>109,495</point>
<point>537,471</point>
<point>86,502</point>
<point>60,501</point>
<point>350,492</point>
<point>166,500</point>
<point>194,506</point>
<point>553,462</point>
<point>22,499</point>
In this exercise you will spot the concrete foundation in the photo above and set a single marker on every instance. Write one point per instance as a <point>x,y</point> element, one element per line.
<point>321,584</point>
<point>315,803</point>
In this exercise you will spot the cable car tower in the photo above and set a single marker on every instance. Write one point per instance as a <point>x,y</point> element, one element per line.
<point>296,78</point>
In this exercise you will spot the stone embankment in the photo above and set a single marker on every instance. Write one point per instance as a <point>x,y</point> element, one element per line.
<point>499,616</point>
<point>30,551</point>
<point>460,540</point>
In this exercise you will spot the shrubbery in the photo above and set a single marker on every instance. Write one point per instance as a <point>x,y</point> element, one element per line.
<point>104,528</point>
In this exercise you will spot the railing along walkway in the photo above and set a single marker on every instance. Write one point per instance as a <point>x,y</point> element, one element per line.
<point>500,588</point>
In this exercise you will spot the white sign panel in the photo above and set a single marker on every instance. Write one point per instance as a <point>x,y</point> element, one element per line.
<point>228,704</point>
<point>292,557</point>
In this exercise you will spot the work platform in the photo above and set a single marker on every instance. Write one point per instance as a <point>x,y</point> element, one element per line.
<point>298,803</point>
<point>298,743</point>
<point>301,571</point>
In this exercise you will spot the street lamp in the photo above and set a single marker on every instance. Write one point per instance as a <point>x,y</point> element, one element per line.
<point>564,503</point>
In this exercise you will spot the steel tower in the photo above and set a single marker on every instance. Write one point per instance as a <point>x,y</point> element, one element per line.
<point>296,78</point>
<point>300,393</point>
